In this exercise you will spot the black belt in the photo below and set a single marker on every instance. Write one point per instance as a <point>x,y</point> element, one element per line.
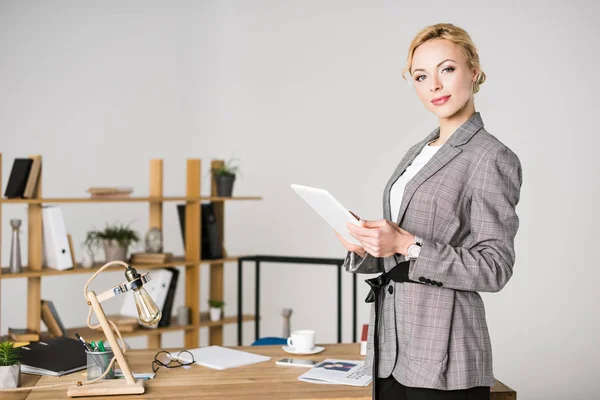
<point>397,274</point>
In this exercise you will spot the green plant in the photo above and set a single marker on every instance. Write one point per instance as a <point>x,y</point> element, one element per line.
<point>9,355</point>
<point>228,168</point>
<point>123,234</point>
<point>216,303</point>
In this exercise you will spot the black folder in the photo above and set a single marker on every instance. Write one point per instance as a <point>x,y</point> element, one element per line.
<point>54,357</point>
<point>15,188</point>
<point>211,241</point>
<point>165,320</point>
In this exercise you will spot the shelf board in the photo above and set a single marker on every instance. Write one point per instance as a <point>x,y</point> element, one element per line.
<point>94,335</point>
<point>45,271</point>
<point>132,199</point>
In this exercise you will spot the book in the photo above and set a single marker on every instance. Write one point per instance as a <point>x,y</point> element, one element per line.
<point>109,190</point>
<point>218,357</point>
<point>23,335</point>
<point>340,372</point>
<point>17,181</point>
<point>52,320</point>
<point>54,357</point>
<point>32,179</point>
<point>150,258</point>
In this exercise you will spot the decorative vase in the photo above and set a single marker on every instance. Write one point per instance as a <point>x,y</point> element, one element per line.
<point>87,259</point>
<point>215,314</point>
<point>286,313</point>
<point>10,377</point>
<point>224,184</point>
<point>114,251</point>
<point>15,248</point>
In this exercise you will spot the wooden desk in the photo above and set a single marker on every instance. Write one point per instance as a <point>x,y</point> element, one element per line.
<point>252,382</point>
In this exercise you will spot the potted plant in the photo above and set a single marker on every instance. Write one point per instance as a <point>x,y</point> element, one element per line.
<point>115,239</point>
<point>216,309</point>
<point>10,367</point>
<point>225,177</point>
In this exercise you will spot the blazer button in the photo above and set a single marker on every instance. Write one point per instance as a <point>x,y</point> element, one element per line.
<point>390,289</point>
<point>422,279</point>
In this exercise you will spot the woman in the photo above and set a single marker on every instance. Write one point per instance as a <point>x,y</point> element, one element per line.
<point>447,233</point>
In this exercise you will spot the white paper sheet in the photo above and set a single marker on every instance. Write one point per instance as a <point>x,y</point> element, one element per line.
<point>218,357</point>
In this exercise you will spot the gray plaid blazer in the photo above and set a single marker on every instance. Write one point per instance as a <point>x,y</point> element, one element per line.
<point>462,203</point>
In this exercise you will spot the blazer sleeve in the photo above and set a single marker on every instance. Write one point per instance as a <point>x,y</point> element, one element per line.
<point>368,265</point>
<point>486,263</point>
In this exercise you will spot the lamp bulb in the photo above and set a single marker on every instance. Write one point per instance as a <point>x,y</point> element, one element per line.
<point>147,309</point>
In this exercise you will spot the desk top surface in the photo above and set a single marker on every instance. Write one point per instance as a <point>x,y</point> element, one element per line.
<point>252,382</point>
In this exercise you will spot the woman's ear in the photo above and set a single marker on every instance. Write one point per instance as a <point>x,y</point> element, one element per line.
<point>475,75</point>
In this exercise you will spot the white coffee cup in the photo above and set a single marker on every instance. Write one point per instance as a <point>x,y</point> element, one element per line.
<point>303,340</point>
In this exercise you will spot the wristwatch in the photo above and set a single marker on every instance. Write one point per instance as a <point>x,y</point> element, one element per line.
<point>415,249</point>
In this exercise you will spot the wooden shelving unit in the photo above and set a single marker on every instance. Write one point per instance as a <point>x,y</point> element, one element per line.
<point>90,334</point>
<point>35,271</point>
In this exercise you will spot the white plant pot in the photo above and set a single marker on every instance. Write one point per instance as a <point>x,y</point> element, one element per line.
<point>215,314</point>
<point>10,377</point>
<point>114,252</point>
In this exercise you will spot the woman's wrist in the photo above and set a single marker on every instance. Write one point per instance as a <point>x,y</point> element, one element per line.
<point>404,242</point>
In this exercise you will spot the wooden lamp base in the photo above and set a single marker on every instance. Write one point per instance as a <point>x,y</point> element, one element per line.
<point>106,388</point>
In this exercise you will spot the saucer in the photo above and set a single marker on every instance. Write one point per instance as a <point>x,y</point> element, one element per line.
<point>292,350</point>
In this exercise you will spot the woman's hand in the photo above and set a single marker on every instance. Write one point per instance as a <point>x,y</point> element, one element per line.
<point>381,238</point>
<point>351,246</point>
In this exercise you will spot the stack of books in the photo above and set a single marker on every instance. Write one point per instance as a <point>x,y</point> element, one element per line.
<point>124,323</point>
<point>109,192</point>
<point>150,258</point>
<point>24,177</point>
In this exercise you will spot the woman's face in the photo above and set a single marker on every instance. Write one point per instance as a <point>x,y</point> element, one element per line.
<point>439,70</point>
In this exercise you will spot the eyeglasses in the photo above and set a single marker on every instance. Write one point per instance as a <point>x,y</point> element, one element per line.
<point>165,359</point>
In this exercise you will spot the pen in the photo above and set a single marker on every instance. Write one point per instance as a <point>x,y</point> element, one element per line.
<point>85,344</point>
<point>99,360</point>
<point>101,346</point>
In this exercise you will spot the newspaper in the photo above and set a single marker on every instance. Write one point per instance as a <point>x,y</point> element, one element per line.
<point>340,372</point>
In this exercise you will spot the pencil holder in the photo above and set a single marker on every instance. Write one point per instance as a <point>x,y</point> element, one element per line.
<point>97,363</point>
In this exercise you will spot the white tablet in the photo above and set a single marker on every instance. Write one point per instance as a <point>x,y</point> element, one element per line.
<point>329,209</point>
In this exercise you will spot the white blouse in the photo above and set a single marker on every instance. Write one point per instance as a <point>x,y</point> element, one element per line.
<point>397,190</point>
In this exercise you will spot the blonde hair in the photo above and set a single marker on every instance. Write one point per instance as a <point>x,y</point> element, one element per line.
<point>454,34</point>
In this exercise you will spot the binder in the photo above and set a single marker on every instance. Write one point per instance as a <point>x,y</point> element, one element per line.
<point>157,288</point>
<point>52,320</point>
<point>57,252</point>
<point>17,181</point>
<point>167,310</point>
<point>211,241</point>
<point>55,357</point>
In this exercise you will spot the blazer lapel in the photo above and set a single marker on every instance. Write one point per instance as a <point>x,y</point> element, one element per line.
<point>410,156</point>
<point>443,156</point>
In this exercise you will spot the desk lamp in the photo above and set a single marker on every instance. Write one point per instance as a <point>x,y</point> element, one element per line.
<point>149,316</point>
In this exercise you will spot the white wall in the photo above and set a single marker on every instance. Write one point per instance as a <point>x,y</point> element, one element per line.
<point>310,92</point>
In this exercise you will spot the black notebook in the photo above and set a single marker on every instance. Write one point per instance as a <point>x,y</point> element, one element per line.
<point>17,181</point>
<point>55,357</point>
